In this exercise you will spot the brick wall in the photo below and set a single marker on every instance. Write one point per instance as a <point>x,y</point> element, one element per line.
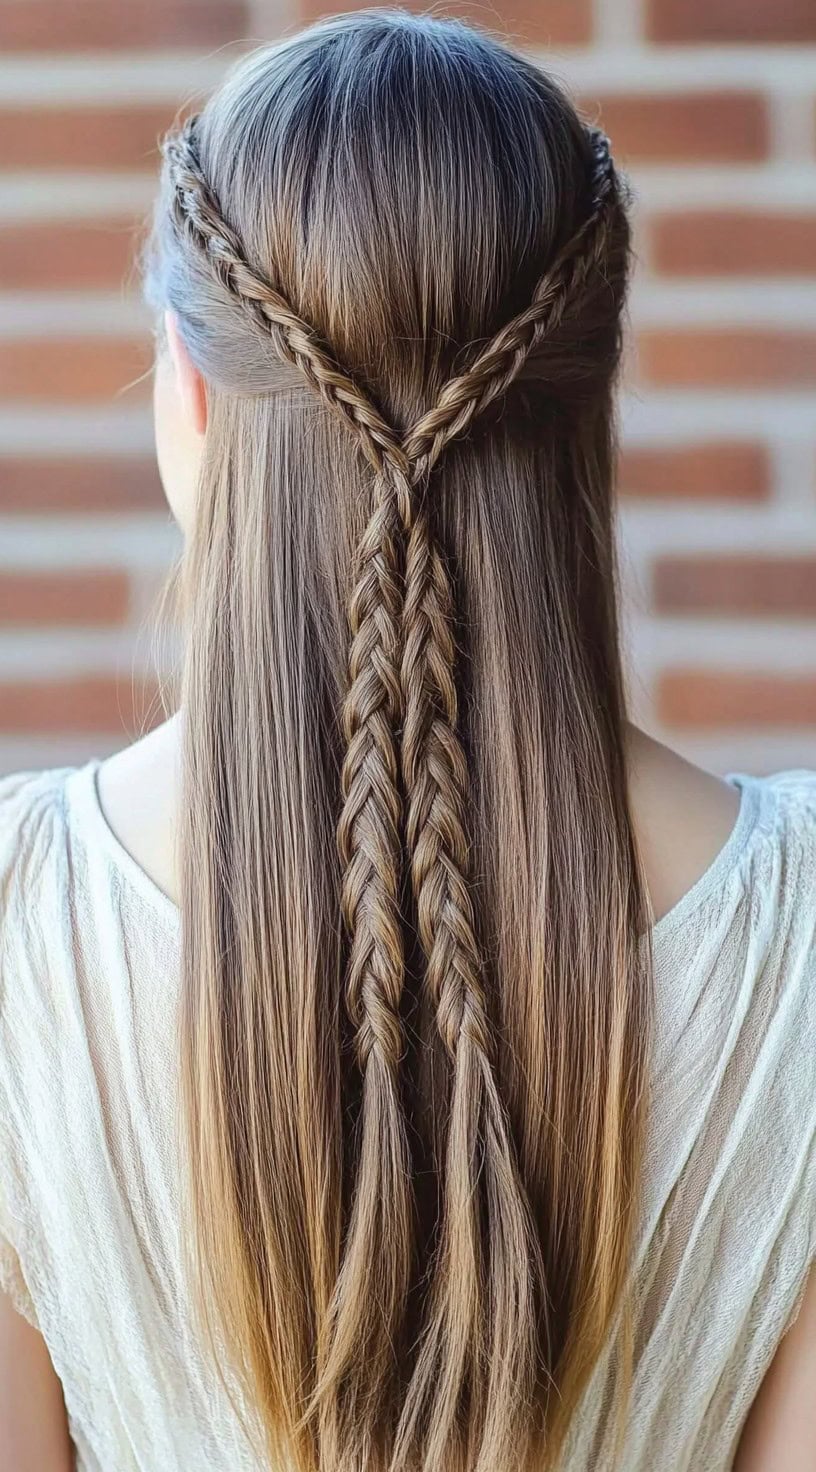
<point>711,104</point>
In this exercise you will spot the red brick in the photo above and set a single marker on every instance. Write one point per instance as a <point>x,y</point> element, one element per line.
<point>73,370</point>
<point>717,357</point>
<point>85,255</point>
<point>116,483</point>
<point>715,471</point>
<point>731,20</point>
<point>695,699</point>
<point>89,597</point>
<point>83,137</point>
<point>733,242</point>
<point>88,704</point>
<point>100,25</point>
<point>743,584</point>
<point>560,22</point>
<point>687,127</point>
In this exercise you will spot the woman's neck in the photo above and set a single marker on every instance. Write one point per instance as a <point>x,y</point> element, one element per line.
<point>682,814</point>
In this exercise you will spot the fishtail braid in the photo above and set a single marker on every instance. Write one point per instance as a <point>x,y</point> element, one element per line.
<point>198,218</point>
<point>377,1257</point>
<point>480,1222</point>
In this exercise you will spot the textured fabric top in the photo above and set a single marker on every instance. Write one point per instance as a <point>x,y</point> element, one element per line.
<point>91,1227</point>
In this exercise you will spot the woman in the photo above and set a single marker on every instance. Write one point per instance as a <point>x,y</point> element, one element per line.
<point>406,1063</point>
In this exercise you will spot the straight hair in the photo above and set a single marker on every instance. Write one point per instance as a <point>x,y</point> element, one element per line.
<point>416,973</point>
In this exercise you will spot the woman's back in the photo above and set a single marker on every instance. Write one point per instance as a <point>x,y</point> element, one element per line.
<point>90,1162</point>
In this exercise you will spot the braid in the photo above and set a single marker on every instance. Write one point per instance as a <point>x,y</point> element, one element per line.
<point>377,1257</point>
<point>198,217</point>
<point>485,1307</point>
<point>500,361</point>
<point>378,1254</point>
<point>489,1239</point>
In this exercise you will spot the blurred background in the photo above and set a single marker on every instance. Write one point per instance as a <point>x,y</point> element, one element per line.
<point>711,106</point>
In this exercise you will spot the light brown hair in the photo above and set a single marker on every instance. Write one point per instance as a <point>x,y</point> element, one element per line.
<point>416,1005</point>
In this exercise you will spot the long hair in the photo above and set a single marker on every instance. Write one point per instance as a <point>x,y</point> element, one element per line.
<point>415,1007</point>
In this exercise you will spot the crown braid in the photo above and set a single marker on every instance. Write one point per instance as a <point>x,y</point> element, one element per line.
<point>401,673</point>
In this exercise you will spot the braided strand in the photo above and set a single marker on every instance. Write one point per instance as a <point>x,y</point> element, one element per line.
<point>377,1255</point>
<point>198,216</point>
<point>501,1263</point>
<point>401,673</point>
<point>462,1328</point>
<point>495,367</point>
<point>378,1250</point>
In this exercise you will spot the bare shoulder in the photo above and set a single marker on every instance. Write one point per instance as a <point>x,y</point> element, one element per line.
<point>34,1433</point>
<point>780,1431</point>
<point>139,795</point>
<point>683,817</point>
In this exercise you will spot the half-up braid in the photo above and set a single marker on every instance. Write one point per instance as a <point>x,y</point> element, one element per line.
<point>198,216</point>
<point>378,1249</point>
<point>481,1218</point>
<point>407,1280</point>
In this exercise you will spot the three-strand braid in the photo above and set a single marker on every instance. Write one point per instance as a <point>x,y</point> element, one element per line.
<point>403,749</point>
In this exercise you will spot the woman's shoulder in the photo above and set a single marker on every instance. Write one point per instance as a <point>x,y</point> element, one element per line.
<point>32,829</point>
<point>33,981</point>
<point>792,791</point>
<point>29,795</point>
<point>735,1012</point>
<point>35,879</point>
<point>54,881</point>
<point>702,837</point>
<point>781,865</point>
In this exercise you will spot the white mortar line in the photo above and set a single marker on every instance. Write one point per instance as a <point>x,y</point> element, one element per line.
<point>724,301</point>
<point>78,314</point>
<point>653,420</point>
<point>617,61</point>
<point>31,653</point>
<point>63,650</point>
<point>662,417</point>
<point>46,195</point>
<point>648,68</point>
<point>147,541</point>
<point>762,186</point>
<point>617,25</point>
<point>791,119</point>
<point>96,79</point>
<point>738,645</point>
<point>793,472</point>
<point>58,431</point>
<point>709,529</point>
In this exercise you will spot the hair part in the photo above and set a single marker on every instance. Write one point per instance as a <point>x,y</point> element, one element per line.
<point>416,990</point>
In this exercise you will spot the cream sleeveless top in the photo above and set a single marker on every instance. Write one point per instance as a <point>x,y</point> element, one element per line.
<point>91,1226</point>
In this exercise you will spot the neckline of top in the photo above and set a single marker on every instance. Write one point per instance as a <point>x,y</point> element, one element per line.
<point>83,799</point>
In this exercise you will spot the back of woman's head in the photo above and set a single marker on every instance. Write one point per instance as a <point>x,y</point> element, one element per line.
<point>415,1003</point>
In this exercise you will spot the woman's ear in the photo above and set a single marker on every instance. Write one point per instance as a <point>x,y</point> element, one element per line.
<point>189,382</point>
